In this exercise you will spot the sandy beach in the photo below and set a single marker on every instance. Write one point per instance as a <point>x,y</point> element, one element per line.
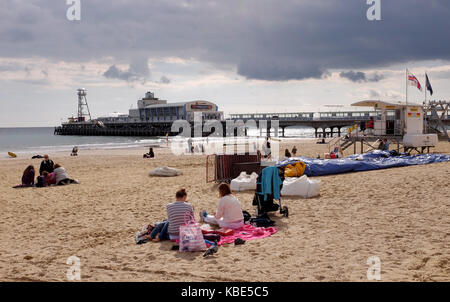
<point>400,215</point>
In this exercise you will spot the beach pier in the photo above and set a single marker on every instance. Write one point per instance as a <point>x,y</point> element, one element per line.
<point>325,124</point>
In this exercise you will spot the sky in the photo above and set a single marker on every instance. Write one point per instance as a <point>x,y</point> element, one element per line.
<point>245,56</point>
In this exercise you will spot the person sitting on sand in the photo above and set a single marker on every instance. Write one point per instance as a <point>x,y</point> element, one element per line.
<point>46,165</point>
<point>160,229</point>
<point>294,151</point>
<point>28,177</point>
<point>381,145</point>
<point>150,232</point>
<point>386,145</point>
<point>74,151</point>
<point>61,176</point>
<point>42,180</point>
<point>176,212</point>
<point>229,212</point>
<point>150,154</point>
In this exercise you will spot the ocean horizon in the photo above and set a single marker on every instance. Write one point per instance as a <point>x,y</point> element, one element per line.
<point>40,140</point>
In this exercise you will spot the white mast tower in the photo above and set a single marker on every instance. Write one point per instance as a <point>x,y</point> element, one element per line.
<point>83,108</point>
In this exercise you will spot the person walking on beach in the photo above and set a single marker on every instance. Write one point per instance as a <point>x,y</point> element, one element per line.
<point>46,165</point>
<point>176,212</point>
<point>229,212</point>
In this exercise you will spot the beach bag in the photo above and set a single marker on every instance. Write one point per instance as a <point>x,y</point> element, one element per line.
<point>295,170</point>
<point>191,236</point>
<point>246,215</point>
<point>303,187</point>
<point>262,220</point>
<point>244,182</point>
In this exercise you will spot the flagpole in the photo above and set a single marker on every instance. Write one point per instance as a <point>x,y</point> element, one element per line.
<point>425,88</point>
<point>406,85</point>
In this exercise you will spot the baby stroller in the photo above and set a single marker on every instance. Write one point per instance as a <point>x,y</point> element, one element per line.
<point>74,151</point>
<point>265,205</point>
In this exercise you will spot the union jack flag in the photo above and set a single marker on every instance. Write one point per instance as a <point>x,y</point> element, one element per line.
<point>413,81</point>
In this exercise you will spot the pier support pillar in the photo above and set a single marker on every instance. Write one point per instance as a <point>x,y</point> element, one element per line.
<point>315,132</point>
<point>339,131</point>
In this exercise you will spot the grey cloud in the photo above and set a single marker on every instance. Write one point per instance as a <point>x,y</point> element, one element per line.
<point>115,73</point>
<point>10,67</point>
<point>354,76</point>
<point>269,40</point>
<point>164,80</point>
<point>137,71</point>
<point>360,77</point>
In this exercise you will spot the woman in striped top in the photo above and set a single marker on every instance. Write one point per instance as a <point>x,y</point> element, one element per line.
<point>176,212</point>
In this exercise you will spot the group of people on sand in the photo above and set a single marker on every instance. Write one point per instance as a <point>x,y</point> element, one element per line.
<point>49,174</point>
<point>288,154</point>
<point>229,215</point>
<point>384,145</point>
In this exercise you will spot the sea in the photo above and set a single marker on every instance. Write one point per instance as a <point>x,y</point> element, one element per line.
<point>41,140</point>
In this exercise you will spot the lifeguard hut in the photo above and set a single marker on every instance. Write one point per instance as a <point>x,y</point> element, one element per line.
<point>400,122</point>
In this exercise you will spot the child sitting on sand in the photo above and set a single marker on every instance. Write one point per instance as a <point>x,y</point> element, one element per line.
<point>160,229</point>
<point>150,232</point>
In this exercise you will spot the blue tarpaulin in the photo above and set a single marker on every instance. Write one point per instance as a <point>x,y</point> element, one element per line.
<point>363,162</point>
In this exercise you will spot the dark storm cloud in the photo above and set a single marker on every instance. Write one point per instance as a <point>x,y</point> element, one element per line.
<point>360,77</point>
<point>269,40</point>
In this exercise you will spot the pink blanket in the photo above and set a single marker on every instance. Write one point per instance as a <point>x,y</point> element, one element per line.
<point>247,232</point>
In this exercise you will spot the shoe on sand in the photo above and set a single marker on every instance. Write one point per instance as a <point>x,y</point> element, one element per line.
<point>211,250</point>
<point>239,241</point>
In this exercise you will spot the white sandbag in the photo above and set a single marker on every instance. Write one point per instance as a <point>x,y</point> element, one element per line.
<point>165,171</point>
<point>244,182</point>
<point>303,187</point>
